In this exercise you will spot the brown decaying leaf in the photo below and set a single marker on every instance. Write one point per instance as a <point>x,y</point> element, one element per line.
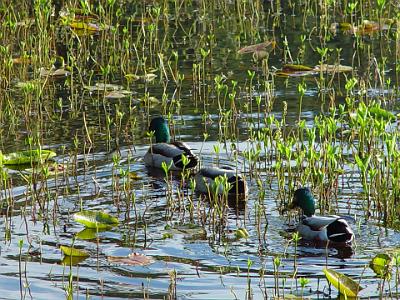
<point>133,259</point>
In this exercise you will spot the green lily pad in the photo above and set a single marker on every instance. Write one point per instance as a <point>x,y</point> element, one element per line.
<point>95,219</point>
<point>70,251</point>
<point>344,284</point>
<point>26,157</point>
<point>88,233</point>
<point>381,264</point>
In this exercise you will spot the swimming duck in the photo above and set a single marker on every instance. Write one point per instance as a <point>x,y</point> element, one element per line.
<point>320,228</point>
<point>205,181</point>
<point>166,151</point>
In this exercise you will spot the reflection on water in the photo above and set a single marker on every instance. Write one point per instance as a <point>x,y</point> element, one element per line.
<point>187,236</point>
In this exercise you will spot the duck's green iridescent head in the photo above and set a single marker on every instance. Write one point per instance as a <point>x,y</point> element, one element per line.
<point>304,199</point>
<point>161,130</point>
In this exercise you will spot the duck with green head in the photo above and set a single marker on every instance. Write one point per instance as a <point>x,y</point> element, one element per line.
<point>166,151</point>
<point>334,229</point>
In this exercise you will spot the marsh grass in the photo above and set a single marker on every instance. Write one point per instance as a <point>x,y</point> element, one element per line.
<point>181,58</point>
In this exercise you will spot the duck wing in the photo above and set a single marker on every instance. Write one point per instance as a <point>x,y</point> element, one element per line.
<point>337,229</point>
<point>166,150</point>
<point>319,222</point>
<point>214,172</point>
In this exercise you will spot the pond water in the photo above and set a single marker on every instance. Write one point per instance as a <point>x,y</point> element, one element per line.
<point>98,138</point>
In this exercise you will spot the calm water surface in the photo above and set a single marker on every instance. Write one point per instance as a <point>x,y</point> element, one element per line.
<point>207,266</point>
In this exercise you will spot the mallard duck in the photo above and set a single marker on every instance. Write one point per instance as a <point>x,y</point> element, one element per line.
<point>166,151</point>
<point>319,228</point>
<point>205,181</point>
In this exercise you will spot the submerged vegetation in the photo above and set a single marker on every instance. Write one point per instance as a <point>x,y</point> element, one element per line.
<point>287,94</point>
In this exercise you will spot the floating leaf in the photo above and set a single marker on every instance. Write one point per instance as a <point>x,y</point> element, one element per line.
<point>48,169</point>
<point>345,285</point>
<point>72,260</point>
<point>95,219</point>
<point>333,68</point>
<point>117,94</point>
<point>381,264</point>
<point>266,46</point>
<point>132,77</point>
<point>133,259</point>
<point>86,26</point>
<point>148,77</point>
<point>134,175</point>
<point>242,233</point>
<point>295,68</point>
<point>292,70</point>
<point>70,251</point>
<point>53,72</point>
<point>103,87</point>
<point>27,157</point>
<point>88,233</point>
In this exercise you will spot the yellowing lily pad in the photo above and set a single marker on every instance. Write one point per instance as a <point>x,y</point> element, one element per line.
<point>133,259</point>
<point>70,251</point>
<point>79,25</point>
<point>72,260</point>
<point>344,284</point>
<point>132,77</point>
<point>88,233</point>
<point>26,157</point>
<point>242,233</point>
<point>381,264</point>
<point>95,219</point>
<point>296,68</point>
<point>333,68</point>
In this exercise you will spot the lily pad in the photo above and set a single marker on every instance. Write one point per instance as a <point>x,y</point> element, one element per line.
<point>48,169</point>
<point>88,233</point>
<point>148,77</point>
<point>118,94</point>
<point>53,72</point>
<point>87,26</point>
<point>70,251</point>
<point>295,68</point>
<point>95,219</point>
<point>132,77</point>
<point>133,259</point>
<point>72,260</point>
<point>344,284</point>
<point>333,68</point>
<point>103,87</point>
<point>266,46</point>
<point>26,157</point>
<point>242,233</point>
<point>381,264</point>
